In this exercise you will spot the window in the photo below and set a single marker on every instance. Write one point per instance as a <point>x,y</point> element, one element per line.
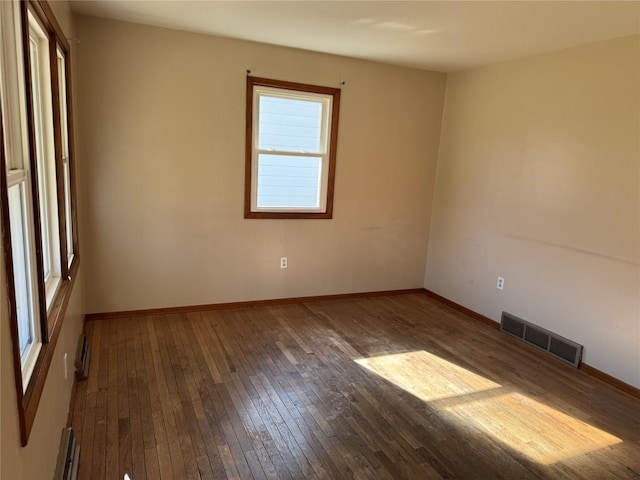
<point>45,159</point>
<point>20,236</point>
<point>37,195</point>
<point>292,132</point>
<point>66,172</point>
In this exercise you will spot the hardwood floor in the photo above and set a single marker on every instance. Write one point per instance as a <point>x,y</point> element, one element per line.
<point>384,387</point>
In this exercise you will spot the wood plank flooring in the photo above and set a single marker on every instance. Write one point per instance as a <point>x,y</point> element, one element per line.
<point>395,387</point>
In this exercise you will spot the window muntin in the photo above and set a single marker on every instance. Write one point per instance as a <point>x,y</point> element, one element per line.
<point>291,147</point>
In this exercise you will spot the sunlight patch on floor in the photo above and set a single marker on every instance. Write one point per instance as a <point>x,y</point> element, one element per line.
<point>534,429</point>
<point>542,433</point>
<point>445,379</point>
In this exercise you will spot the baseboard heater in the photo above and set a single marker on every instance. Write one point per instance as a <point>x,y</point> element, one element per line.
<point>560,347</point>
<point>83,354</point>
<point>68,457</point>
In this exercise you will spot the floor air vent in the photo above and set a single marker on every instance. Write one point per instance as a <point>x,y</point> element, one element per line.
<point>68,457</point>
<point>556,345</point>
<point>82,358</point>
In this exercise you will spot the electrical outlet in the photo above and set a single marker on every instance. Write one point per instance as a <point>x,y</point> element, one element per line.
<point>283,262</point>
<point>500,285</point>
<point>66,366</point>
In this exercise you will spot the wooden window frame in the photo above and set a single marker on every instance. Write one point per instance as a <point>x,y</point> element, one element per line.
<point>250,144</point>
<point>50,318</point>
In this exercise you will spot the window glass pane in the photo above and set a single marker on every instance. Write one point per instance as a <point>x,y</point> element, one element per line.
<point>21,268</point>
<point>62,83</point>
<point>288,124</point>
<point>34,52</point>
<point>288,181</point>
<point>45,155</point>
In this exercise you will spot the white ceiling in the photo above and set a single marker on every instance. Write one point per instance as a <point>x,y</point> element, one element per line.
<point>434,35</point>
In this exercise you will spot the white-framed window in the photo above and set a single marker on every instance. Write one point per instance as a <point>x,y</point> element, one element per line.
<point>291,149</point>
<point>19,195</point>
<point>45,155</point>
<point>66,167</point>
<point>29,331</point>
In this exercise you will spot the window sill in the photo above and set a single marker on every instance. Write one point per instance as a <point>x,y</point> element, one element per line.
<point>51,288</point>
<point>289,215</point>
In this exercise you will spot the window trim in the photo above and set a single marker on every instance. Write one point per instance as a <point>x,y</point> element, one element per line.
<point>332,144</point>
<point>323,152</point>
<point>51,318</point>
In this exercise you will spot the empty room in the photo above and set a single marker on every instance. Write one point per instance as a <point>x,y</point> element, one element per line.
<point>319,239</point>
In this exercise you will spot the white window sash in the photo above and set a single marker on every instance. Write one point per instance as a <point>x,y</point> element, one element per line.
<point>45,158</point>
<point>66,169</point>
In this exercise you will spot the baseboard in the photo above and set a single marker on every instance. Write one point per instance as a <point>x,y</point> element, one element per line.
<point>588,369</point>
<point>608,379</point>
<point>247,304</point>
<point>456,306</point>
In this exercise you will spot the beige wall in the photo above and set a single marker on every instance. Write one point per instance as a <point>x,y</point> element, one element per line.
<point>37,460</point>
<point>538,181</point>
<point>162,125</point>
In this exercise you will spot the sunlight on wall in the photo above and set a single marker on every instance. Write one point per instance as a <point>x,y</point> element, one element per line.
<point>538,431</point>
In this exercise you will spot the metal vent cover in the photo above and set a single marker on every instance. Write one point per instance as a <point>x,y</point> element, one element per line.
<point>550,342</point>
<point>68,457</point>
<point>83,355</point>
